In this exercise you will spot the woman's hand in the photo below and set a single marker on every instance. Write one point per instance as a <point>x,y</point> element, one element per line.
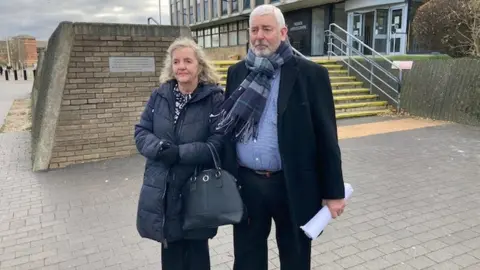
<point>168,153</point>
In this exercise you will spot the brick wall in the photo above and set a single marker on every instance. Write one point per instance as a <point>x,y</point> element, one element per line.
<point>99,108</point>
<point>3,51</point>
<point>30,48</point>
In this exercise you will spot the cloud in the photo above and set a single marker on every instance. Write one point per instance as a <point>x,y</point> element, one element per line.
<point>39,18</point>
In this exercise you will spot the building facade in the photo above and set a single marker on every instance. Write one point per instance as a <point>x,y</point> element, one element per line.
<point>221,26</point>
<point>3,53</point>
<point>384,25</point>
<point>20,51</point>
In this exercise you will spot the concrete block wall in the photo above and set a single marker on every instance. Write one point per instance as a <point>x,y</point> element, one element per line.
<point>99,108</point>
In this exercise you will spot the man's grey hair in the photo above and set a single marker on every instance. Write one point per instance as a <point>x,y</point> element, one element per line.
<point>267,9</point>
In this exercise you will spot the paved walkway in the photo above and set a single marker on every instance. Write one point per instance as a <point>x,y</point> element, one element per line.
<point>415,206</point>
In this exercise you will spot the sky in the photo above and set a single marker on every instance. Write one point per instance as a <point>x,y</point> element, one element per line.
<point>39,18</point>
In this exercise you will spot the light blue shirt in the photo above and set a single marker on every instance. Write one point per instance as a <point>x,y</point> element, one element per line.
<point>263,153</point>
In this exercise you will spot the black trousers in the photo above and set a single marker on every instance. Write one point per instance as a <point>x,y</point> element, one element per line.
<point>186,255</point>
<point>266,199</point>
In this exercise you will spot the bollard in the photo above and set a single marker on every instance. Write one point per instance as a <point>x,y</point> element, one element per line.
<point>35,73</point>
<point>6,75</point>
<point>25,74</point>
<point>15,75</point>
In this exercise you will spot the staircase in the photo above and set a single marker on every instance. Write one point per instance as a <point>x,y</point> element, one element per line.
<point>351,98</point>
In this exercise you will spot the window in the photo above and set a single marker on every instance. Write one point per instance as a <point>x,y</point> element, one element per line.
<point>207,38</point>
<point>179,12</point>
<point>198,10</point>
<point>185,16</point>
<point>205,10</point>
<point>246,4</point>
<point>215,8</point>
<point>185,12</point>
<point>224,7</point>
<point>200,38</point>
<point>215,37</point>
<point>192,2</point>
<point>259,2</point>
<point>172,12</point>
<point>224,35</point>
<point>235,6</point>
<point>232,34</point>
<point>274,1</point>
<point>243,32</point>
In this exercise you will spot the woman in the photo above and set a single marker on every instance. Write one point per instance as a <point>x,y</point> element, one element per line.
<point>172,134</point>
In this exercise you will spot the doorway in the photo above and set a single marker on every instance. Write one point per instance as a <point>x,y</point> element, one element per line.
<point>368,30</point>
<point>363,24</point>
<point>398,30</point>
<point>318,31</point>
<point>381,28</point>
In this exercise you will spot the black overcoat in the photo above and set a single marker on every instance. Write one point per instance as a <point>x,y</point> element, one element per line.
<point>307,136</point>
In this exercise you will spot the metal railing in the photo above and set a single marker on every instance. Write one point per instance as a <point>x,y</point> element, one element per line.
<point>295,51</point>
<point>350,54</point>
<point>152,19</point>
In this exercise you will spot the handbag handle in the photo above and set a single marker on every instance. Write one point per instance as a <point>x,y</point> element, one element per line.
<point>216,158</point>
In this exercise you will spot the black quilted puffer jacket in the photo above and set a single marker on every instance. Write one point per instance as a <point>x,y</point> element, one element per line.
<point>161,198</point>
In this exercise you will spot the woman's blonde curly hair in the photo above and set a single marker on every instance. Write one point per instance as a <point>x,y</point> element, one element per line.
<point>207,72</point>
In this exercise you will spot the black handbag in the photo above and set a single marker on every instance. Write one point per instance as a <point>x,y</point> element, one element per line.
<point>212,198</point>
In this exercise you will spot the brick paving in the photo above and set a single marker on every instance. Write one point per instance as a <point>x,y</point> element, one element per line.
<point>415,206</point>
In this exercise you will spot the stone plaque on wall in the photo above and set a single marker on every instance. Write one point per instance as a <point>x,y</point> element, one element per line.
<point>131,64</point>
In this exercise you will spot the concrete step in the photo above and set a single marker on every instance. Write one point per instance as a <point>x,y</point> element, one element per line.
<point>324,61</point>
<point>222,63</point>
<point>333,66</point>
<point>340,85</point>
<point>354,98</point>
<point>337,73</point>
<point>342,78</point>
<point>335,85</point>
<point>344,115</point>
<point>355,105</point>
<point>333,77</point>
<point>351,91</point>
<point>333,69</point>
<point>351,99</point>
<point>360,106</point>
<point>221,69</point>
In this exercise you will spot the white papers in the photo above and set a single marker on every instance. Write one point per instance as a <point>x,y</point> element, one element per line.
<point>315,226</point>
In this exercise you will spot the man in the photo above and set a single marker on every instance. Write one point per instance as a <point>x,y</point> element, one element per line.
<point>284,151</point>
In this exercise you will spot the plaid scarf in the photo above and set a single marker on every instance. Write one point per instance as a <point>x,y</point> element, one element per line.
<point>241,112</point>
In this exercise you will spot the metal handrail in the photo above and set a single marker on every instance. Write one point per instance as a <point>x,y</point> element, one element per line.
<point>359,41</point>
<point>152,19</point>
<point>380,67</point>
<point>372,74</point>
<point>299,53</point>
<point>351,50</point>
<point>388,73</point>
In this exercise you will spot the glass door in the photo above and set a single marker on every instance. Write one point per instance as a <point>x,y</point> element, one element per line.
<point>397,30</point>
<point>357,30</point>
<point>381,32</point>
<point>318,34</point>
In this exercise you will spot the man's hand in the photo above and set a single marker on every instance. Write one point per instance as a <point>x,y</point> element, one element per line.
<point>336,207</point>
